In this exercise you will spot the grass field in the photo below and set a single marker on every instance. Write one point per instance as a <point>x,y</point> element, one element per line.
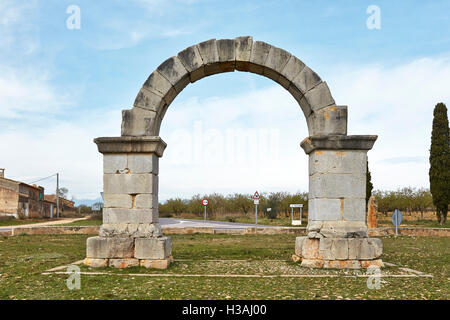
<point>24,258</point>
<point>18,222</point>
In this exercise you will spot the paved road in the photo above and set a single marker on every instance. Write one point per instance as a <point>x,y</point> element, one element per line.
<point>190,223</point>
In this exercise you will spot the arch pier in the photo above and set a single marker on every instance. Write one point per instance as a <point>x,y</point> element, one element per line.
<point>337,235</point>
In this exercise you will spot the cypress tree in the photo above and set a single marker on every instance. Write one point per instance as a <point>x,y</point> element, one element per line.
<point>369,185</point>
<point>440,163</point>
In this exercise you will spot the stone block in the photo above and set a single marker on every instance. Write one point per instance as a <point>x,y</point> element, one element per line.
<point>153,248</point>
<point>243,50</point>
<point>123,263</point>
<point>117,200</point>
<point>312,263</point>
<point>338,161</point>
<point>329,120</point>
<point>149,100</point>
<point>299,245</point>
<point>143,163</point>
<point>132,216</point>
<point>310,249</point>
<point>292,68</point>
<point>337,185</point>
<point>192,61</point>
<point>367,250</point>
<point>325,248</point>
<point>174,71</point>
<point>377,263</point>
<point>114,162</point>
<point>98,247</point>
<point>306,79</point>
<point>96,263</point>
<point>354,209</point>
<point>260,52</point>
<point>210,56</point>
<point>146,201</point>
<point>319,97</point>
<point>132,230</point>
<point>156,264</point>
<point>157,83</point>
<point>324,209</point>
<point>140,122</point>
<point>275,62</point>
<point>227,57</point>
<point>130,183</point>
<point>344,229</point>
<point>339,249</point>
<point>353,248</point>
<point>377,244</point>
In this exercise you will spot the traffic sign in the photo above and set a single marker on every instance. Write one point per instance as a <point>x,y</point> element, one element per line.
<point>256,196</point>
<point>256,201</point>
<point>205,202</point>
<point>397,219</point>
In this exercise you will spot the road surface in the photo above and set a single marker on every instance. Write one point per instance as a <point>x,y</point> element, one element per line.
<point>193,223</point>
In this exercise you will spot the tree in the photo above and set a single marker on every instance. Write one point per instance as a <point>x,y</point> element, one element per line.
<point>369,185</point>
<point>62,192</point>
<point>439,162</point>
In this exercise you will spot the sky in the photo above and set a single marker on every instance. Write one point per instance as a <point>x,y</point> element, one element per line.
<point>64,83</point>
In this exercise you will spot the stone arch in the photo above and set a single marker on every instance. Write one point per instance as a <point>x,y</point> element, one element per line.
<point>337,233</point>
<point>210,57</point>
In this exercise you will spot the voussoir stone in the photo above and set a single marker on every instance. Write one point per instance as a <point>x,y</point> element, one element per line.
<point>243,51</point>
<point>260,52</point>
<point>193,62</point>
<point>227,57</point>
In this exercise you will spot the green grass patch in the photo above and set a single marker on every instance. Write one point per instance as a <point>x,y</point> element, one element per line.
<point>18,222</point>
<point>24,258</point>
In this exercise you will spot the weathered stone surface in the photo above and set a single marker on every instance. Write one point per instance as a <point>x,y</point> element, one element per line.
<point>132,230</point>
<point>292,68</point>
<point>117,200</point>
<point>192,61</point>
<point>148,144</point>
<point>325,248</point>
<point>337,185</point>
<point>354,246</point>
<point>333,161</point>
<point>342,229</point>
<point>156,264</point>
<point>227,57</point>
<point>140,122</point>
<point>98,247</point>
<point>115,163</point>
<point>377,263</point>
<point>153,248</point>
<point>306,79</point>
<point>130,183</point>
<point>319,97</point>
<point>310,249</point>
<point>174,71</point>
<point>296,258</point>
<point>149,100</point>
<point>339,249</point>
<point>96,263</point>
<point>143,163</point>
<point>328,120</point>
<point>123,263</point>
<point>312,263</point>
<point>156,82</point>
<point>146,201</point>
<point>302,102</point>
<point>337,142</point>
<point>342,264</point>
<point>260,51</point>
<point>133,216</point>
<point>372,213</point>
<point>210,56</point>
<point>370,249</point>
<point>275,62</point>
<point>299,245</point>
<point>243,51</point>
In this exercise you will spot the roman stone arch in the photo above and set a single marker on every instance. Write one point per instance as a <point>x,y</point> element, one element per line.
<point>337,234</point>
<point>227,55</point>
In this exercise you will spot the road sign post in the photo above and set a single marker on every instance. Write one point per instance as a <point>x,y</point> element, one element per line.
<point>397,219</point>
<point>256,198</point>
<point>205,203</point>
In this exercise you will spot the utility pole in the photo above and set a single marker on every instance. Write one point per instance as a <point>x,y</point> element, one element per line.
<point>57,195</point>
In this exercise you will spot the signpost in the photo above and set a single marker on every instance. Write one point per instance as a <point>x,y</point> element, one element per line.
<point>256,198</point>
<point>296,205</point>
<point>205,203</point>
<point>397,219</point>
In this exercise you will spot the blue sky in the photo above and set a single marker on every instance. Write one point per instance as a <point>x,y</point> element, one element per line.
<point>60,88</point>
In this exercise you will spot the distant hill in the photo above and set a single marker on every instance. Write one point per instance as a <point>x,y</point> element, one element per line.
<point>87,202</point>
